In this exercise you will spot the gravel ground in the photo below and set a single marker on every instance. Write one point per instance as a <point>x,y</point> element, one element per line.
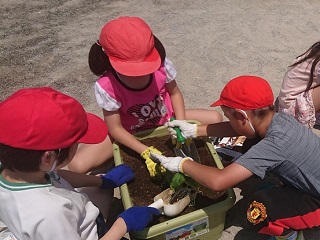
<point>46,43</point>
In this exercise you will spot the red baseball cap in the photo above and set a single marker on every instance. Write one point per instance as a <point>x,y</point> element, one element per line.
<point>129,44</point>
<point>246,93</point>
<point>45,119</point>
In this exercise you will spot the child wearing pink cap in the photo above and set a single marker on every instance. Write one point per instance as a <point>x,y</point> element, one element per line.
<point>40,129</point>
<point>137,88</point>
<point>288,151</point>
<point>299,95</point>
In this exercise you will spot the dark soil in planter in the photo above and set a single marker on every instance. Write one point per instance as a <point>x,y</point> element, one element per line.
<point>143,189</point>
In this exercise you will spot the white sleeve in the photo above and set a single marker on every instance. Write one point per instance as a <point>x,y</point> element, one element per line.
<point>104,100</point>
<point>171,72</point>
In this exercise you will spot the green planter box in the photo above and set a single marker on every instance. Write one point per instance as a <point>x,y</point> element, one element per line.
<point>202,224</point>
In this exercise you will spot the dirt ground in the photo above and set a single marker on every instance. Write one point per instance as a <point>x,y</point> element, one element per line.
<point>46,43</point>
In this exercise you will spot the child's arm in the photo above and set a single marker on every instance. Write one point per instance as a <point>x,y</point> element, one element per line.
<point>176,100</point>
<point>118,133</point>
<point>117,231</point>
<point>210,177</point>
<point>221,129</point>
<point>133,219</point>
<point>80,180</point>
<point>114,178</point>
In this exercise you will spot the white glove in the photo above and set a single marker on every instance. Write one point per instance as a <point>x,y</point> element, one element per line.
<point>188,130</point>
<point>173,164</point>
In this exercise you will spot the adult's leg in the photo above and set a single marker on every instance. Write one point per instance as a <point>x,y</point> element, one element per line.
<point>91,156</point>
<point>204,116</point>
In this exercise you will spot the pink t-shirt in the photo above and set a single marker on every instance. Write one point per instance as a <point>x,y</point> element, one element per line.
<point>139,109</point>
<point>295,82</point>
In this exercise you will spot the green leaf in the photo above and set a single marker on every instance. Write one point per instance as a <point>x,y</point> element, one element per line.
<point>177,180</point>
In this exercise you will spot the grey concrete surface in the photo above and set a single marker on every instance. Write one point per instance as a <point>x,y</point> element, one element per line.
<point>46,43</point>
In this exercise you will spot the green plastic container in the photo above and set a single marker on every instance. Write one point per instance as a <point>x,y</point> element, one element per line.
<point>202,224</point>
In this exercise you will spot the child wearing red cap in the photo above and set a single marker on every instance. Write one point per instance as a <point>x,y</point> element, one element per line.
<point>40,129</point>
<point>137,88</point>
<point>287,150</point>
<point>299,95</point>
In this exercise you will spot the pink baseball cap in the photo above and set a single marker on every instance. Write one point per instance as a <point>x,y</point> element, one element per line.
<point>45,119</point>
<point>129,44</point>
<point>246,93</point>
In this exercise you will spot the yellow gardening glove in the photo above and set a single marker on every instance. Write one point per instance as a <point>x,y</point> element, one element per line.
<point>153,167</point>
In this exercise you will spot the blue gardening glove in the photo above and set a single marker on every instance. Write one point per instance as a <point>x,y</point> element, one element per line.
<point>173,164</point>
<point>153,167</point>
<point>137,218</point>
<point>117,176</point>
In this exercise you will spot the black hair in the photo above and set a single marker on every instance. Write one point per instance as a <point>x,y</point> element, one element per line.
<point>24,160</point>
<point>262,112</point>
<point>312,53</point>
<point>99,62</point>
<point>259,113</point>
<point>160,48</point>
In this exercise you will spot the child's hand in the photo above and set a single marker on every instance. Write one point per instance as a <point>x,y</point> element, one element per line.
<point>153,167</point>
<point>117,176</point>
<point>188,130</point>
<point>137,218</point>
<point>173,164</point>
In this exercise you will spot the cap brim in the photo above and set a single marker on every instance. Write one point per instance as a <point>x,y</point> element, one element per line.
<point>149,65</point>
<point>217,103</point>
<point>97,130</point>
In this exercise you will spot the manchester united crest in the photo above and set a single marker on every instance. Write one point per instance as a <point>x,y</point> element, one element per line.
<point>256,212</point>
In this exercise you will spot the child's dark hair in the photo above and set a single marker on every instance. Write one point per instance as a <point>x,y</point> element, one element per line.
<point>260,113</point>
<point>312,53</point>
<point>99,62</point>
<point>23,160</point>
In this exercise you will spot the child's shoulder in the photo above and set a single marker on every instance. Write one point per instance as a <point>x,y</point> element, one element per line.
<point>107,80</point>
<point>107,76</point>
